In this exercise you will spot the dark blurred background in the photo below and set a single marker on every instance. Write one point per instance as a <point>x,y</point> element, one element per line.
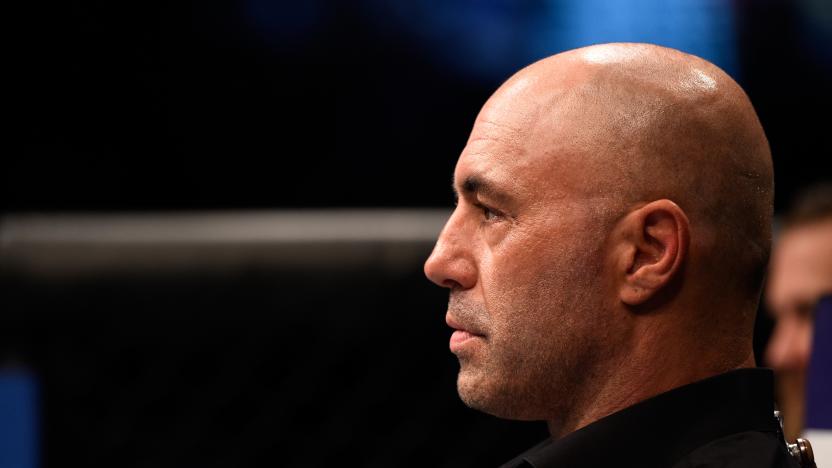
<point>125,342</point>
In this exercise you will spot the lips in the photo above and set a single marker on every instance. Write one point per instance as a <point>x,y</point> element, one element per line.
<point>462,336</point>
<point>454,323</point>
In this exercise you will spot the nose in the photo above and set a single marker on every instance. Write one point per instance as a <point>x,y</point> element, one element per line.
<point>452,262</point>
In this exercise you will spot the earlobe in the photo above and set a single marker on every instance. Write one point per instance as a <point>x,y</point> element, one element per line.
<point>656,237</point>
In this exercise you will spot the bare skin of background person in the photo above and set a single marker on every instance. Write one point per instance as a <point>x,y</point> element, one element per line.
<point>800,273</point>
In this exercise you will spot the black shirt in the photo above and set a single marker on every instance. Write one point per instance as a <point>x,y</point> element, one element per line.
<point>723,421</point>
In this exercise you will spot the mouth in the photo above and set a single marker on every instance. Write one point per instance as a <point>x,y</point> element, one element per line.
<point>461,336</point>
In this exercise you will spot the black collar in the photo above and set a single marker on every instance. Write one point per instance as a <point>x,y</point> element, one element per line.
<point>659,431</point>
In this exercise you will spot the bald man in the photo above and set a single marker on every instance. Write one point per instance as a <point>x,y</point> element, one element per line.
<point>605,260</point>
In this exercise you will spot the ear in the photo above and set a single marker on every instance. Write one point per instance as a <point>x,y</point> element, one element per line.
<point>652,246</point>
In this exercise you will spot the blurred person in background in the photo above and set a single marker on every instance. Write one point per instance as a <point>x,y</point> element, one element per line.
<point>605,261</point>
<point>799,275</point>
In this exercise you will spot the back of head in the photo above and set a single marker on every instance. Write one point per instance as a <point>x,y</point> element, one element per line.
<point>658,123</point>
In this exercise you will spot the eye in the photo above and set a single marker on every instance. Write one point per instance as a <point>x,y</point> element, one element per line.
<point>488,213</point>
<point>804,310</point>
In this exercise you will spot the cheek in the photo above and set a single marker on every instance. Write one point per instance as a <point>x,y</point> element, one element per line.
<point>509,271</point>
<point>533,283</point>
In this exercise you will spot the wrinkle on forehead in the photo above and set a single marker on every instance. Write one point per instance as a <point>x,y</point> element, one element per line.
<point>494,140</point>
<point>509,113</point>
<point>493,130</point>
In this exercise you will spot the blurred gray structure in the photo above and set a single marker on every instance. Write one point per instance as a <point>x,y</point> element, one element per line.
<point>73,244</point>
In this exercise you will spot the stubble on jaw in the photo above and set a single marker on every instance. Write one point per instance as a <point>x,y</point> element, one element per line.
<point>535,368</point>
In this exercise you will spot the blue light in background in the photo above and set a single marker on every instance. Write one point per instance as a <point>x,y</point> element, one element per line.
<point>481,40</point>
<point>18,420</point>
<point>699,27</point>
<point>489,40</point>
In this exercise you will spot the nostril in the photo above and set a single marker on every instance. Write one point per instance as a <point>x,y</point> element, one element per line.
<point>451,284</point>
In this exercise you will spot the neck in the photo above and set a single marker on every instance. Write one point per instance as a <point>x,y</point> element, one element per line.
<point>651,367</point>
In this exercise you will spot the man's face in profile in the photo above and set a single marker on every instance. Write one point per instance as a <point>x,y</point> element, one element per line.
<point>521,255</point>
<point>801,272</point>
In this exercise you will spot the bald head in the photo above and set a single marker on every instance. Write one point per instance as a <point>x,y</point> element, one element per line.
<point>612,222</point>
<point>638,122</point>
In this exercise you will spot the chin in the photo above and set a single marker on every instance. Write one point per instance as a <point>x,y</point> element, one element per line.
<point>484,392</point>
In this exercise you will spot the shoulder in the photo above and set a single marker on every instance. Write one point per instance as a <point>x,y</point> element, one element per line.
<point>740,450</point>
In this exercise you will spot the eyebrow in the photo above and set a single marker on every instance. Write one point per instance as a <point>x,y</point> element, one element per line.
<point>473,185</point>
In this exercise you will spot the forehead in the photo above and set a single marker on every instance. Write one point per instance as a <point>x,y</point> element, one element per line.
<point>524,139</point>
<point>805,249</point>
<point>802,263</point>
<point>497,152</point>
